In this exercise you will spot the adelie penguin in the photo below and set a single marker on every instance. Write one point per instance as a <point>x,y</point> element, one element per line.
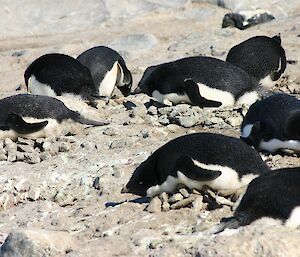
<point>60,75</point>
<point>202,81</point>
<point>275,194</point>
<point>261,57</point>
<point>108,70</point>
<point>35,116</point>
<point>273,124</point>
<point>199,160</point>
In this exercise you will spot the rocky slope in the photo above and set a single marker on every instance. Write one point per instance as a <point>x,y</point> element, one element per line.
<point>53,192</point>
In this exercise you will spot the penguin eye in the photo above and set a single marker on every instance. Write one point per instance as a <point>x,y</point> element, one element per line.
<point>141,183</point>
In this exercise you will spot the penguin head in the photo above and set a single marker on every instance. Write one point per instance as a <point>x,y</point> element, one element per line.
<point>142,179</point>
<point>146,84</point>
<point>254,135</point>
<point>124,78</point>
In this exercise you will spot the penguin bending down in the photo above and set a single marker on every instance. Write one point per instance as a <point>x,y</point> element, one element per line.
<point>199,160</point>
<point>262,57</point>
<point>202,81</point>
<point>108,70</point>
<point>273,124</point>
<point>275,194</point>
<point>60,75</point>
<point>35,116</point>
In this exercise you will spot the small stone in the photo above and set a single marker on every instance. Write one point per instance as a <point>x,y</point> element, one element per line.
<point>165,206</point>
<point>164,197</point>
<point>198,203</point>
<point>152,110</point>
<point>9,144</point>
<point>118,143</point>
<point>6,201</point>
<point>187,122</point>
<point>234,121</point>
<point>32,158</point>
<point>24,148</point>
<point>89,145</point>
<point>11,155</point>
<point>64,147</point>
<point>3,157</point>
<point>110,131</point>
<point>20,156</point>
<point>154,205</point>
<point>34,194</point>
<point>51,148</point>
<point>164,120</point>
<point>183,203</point>
<point>25,141</point>
<point>22,186</point>
<point>140,111</point>
<point>175,198</point>
<point>96,183</point>
<point>184,192</point>
<point>44,156</point>
<point>68,139</point>
<point>62,198</point>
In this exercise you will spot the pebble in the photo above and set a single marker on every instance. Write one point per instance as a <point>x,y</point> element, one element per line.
<point>165,206</point>
<point>6,201</point>
<point>110,131</point>
<point>184,192</point>
<point>34,194</point>
<point>183,203</point>
<point>63,198</point>
<point>32,158</point>
<point>197,204</point>
<point>154,205</point>
<point>164,197</point>
<point>118,143</point>
<point>22,186</point>
<point>175,198</point>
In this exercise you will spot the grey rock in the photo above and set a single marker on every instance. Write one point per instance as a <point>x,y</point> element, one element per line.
<point>51,148</point>
<point>63,198</point>
<point>22,186</point>
<point>110,131</point>
<point>165,206</point>
<point>118,143</point>
<point>25,141</point>
<point>187,122</point>
<point>152,110</point>
<point>32,158</point>
<point>25,148</point>
<point>184,192</point>
<point>183,203</point>
<point>154,205</point>
<point>164,197</point>
<point>164,120</point>
<point>197,204</point>
<point>175,198</point>
<point>19,245</point>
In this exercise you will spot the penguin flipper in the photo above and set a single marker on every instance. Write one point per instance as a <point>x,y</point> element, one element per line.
<point>192,90</point>
<point>186,165</point>
<point>19,125</point>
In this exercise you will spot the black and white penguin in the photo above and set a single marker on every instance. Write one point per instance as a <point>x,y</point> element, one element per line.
<point>60,75</point>
<point>35,116</point>
<point>262,57</point>
<point>202,81</point>
<point>275,194</point>
<point>108,70</point>
<point>273,124</point>
<point>223,163</point>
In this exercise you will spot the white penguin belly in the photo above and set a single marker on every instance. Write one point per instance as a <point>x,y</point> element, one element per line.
<point>52,129</point>
<point>226,184</point>
<point>37,88</point>
<point>172,97</point>
<point>275,144</point>
<point>267,82</point>
<point>108,83</point>
<point>294,220</point>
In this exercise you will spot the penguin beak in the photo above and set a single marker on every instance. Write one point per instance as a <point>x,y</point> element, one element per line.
<point>124,190</point>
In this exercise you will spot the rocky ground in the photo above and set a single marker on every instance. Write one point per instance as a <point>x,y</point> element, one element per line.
<point>53,192</point>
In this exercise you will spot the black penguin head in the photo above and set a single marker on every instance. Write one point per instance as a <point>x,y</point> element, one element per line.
<point>125,88</point>
<point>146,84</point>
<point>142,178</point>
<point>256,135</point>
<point>233,20</point>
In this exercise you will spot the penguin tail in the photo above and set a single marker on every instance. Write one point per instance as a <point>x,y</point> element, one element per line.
<point>80,119</point>
<point>234,222</point>
<point>16,122</point>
